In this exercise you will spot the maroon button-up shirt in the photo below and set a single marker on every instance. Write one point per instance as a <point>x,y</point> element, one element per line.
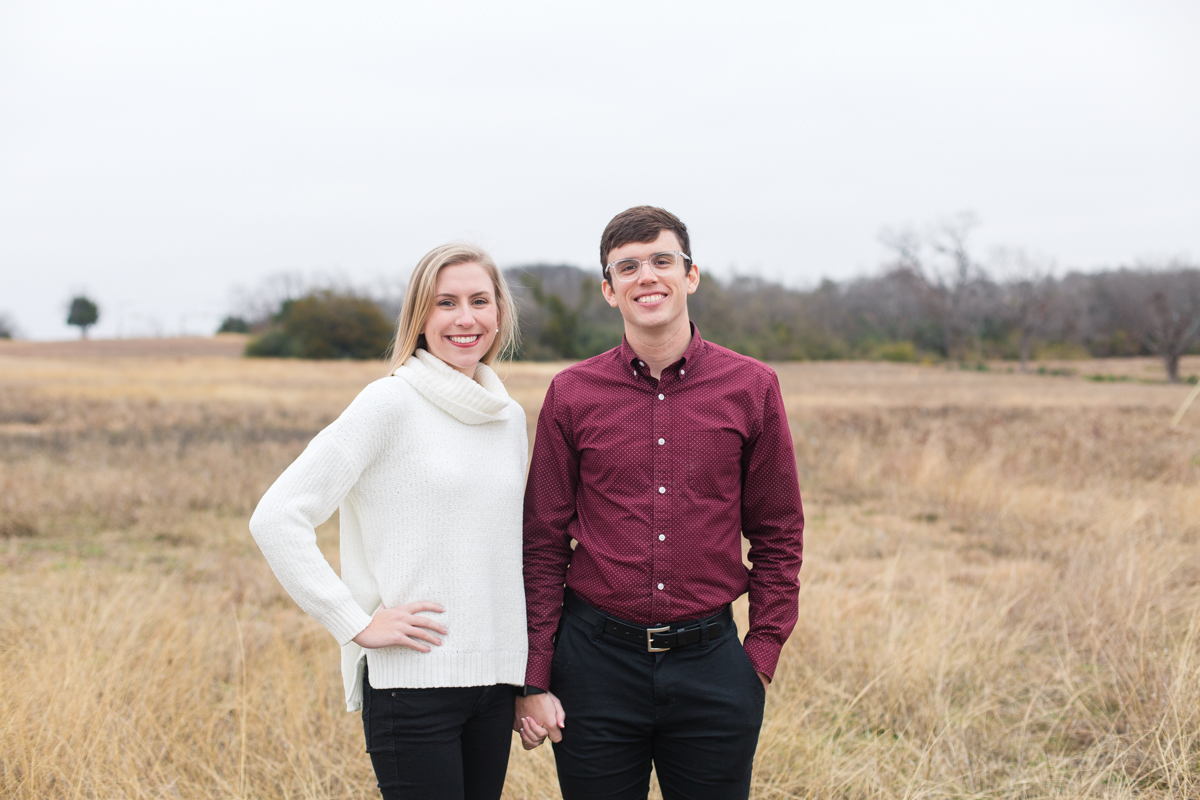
<point>656,481</point>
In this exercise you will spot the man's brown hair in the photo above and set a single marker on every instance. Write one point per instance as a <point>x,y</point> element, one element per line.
<point>641,224</point>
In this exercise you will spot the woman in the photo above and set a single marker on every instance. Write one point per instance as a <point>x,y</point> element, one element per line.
<point>427,468</point>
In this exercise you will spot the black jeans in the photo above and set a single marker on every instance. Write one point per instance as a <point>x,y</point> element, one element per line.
<point>695,712</point>
<point>445,744</point>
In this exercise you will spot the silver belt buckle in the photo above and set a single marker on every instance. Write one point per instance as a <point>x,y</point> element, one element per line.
<point>649,645</point>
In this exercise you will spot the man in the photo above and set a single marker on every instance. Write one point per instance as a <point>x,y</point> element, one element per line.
<point>655,458</point>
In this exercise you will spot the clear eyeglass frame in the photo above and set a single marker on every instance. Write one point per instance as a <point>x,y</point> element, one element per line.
<point>661,263</point>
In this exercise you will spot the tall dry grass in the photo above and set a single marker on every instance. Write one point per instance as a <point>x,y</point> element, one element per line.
<point>1001,590</point>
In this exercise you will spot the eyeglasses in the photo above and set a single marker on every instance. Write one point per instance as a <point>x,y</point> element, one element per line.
<point>628,269</point>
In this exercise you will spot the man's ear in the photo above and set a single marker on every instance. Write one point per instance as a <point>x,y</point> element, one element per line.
<point>607,290</point>
<point>693,279</point>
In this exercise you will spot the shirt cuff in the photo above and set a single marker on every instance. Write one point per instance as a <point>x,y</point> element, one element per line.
<point>763,654</point>
<point>537,671</point>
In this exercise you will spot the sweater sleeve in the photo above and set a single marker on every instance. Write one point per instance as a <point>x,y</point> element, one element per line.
<point>284,526</point>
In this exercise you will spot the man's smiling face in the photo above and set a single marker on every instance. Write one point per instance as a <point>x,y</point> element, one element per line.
<point>651,303</point>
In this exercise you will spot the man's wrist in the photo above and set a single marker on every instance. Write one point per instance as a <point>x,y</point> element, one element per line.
<point>528,690</point>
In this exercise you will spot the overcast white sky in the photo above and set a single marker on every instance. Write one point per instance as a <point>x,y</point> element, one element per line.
<point>157,155</point>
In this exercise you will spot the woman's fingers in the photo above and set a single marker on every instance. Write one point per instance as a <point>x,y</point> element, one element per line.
<point>420,633</point>
<point>560,716</point>
<point>400,627</point>
<point>532,734</point>
<point>426,622</point>
<point>528,739</point>
<point>417,606</point>
<point>404,641</point>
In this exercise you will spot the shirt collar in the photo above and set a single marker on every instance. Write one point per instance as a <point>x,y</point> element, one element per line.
<point>693,352</point>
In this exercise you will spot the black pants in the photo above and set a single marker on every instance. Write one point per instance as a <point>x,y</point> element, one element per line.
<point>442,744</point>
<point>694,712</point>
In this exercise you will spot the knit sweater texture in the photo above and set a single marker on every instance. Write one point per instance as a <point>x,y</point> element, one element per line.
<point>427,470</point>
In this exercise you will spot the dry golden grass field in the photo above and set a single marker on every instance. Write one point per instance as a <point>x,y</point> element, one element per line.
<point>1001,589</point>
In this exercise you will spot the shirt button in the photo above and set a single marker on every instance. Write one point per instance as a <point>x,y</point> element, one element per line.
<point>641,363</point>
<point>660,397</point>
<point>662,441</point>
<point>660,586</point>
<point>662,490</point>
<point>681,372</point>
<point>662,538</point>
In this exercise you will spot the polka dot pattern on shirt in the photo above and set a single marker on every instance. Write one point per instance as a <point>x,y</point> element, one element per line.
<point>656,480</point>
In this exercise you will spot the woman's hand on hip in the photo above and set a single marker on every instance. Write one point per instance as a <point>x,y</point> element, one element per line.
<point>401,627</point>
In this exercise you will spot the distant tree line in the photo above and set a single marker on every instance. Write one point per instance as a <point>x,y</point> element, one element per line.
<point>933,300</point>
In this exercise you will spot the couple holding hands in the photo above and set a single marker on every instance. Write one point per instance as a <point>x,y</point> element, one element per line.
<point>588,603</point>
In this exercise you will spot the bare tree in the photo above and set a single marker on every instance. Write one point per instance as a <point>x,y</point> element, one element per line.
<point>908,247</point>
<point>964,283</point>
<point>1029,290</point>
<point>1172,304</point>
<point>911,259</point>
<point>897,305</point>
<point>258,304</point>
<point>943,259</point>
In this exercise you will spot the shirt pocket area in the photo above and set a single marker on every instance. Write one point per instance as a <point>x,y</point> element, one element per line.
<point>714,467</point>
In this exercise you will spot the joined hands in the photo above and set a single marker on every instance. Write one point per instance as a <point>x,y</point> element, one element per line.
<point>538,717</point>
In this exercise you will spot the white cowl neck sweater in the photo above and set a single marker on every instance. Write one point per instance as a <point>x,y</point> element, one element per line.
<point>427,468</point>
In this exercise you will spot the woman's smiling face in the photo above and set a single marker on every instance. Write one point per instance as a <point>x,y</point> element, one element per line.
<point>462,325</point>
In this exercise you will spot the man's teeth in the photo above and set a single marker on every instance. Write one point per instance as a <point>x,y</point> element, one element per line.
<point>650,298</point>
<point>464,339</point>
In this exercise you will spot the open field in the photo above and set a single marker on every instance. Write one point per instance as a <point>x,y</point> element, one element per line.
<point>1001,590</point>
<point>226,345</point>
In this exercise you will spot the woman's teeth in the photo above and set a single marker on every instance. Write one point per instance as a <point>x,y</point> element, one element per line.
<point>465,339</point>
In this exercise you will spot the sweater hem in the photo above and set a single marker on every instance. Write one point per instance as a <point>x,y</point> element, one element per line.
<point>481,668</point>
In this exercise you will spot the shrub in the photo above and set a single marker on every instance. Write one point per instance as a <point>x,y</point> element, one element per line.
<point>1061,351</point>
<point>272,344</point>
<point>325,325</point>
<point>233,324</point>
<point>8,328</point>
<point>899,352</point>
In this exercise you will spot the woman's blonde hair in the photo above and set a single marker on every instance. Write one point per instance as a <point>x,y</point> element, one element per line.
<point>418,303</point>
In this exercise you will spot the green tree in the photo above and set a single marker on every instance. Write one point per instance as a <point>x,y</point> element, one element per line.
<point>560,331</point>
<point>83,313</point>
<point>8,328</point>
<point>232,324</point>
<point>325,325</point>
<point>562,313</point>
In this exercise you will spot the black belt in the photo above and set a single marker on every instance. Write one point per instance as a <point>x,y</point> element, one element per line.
<point>656,638</point>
